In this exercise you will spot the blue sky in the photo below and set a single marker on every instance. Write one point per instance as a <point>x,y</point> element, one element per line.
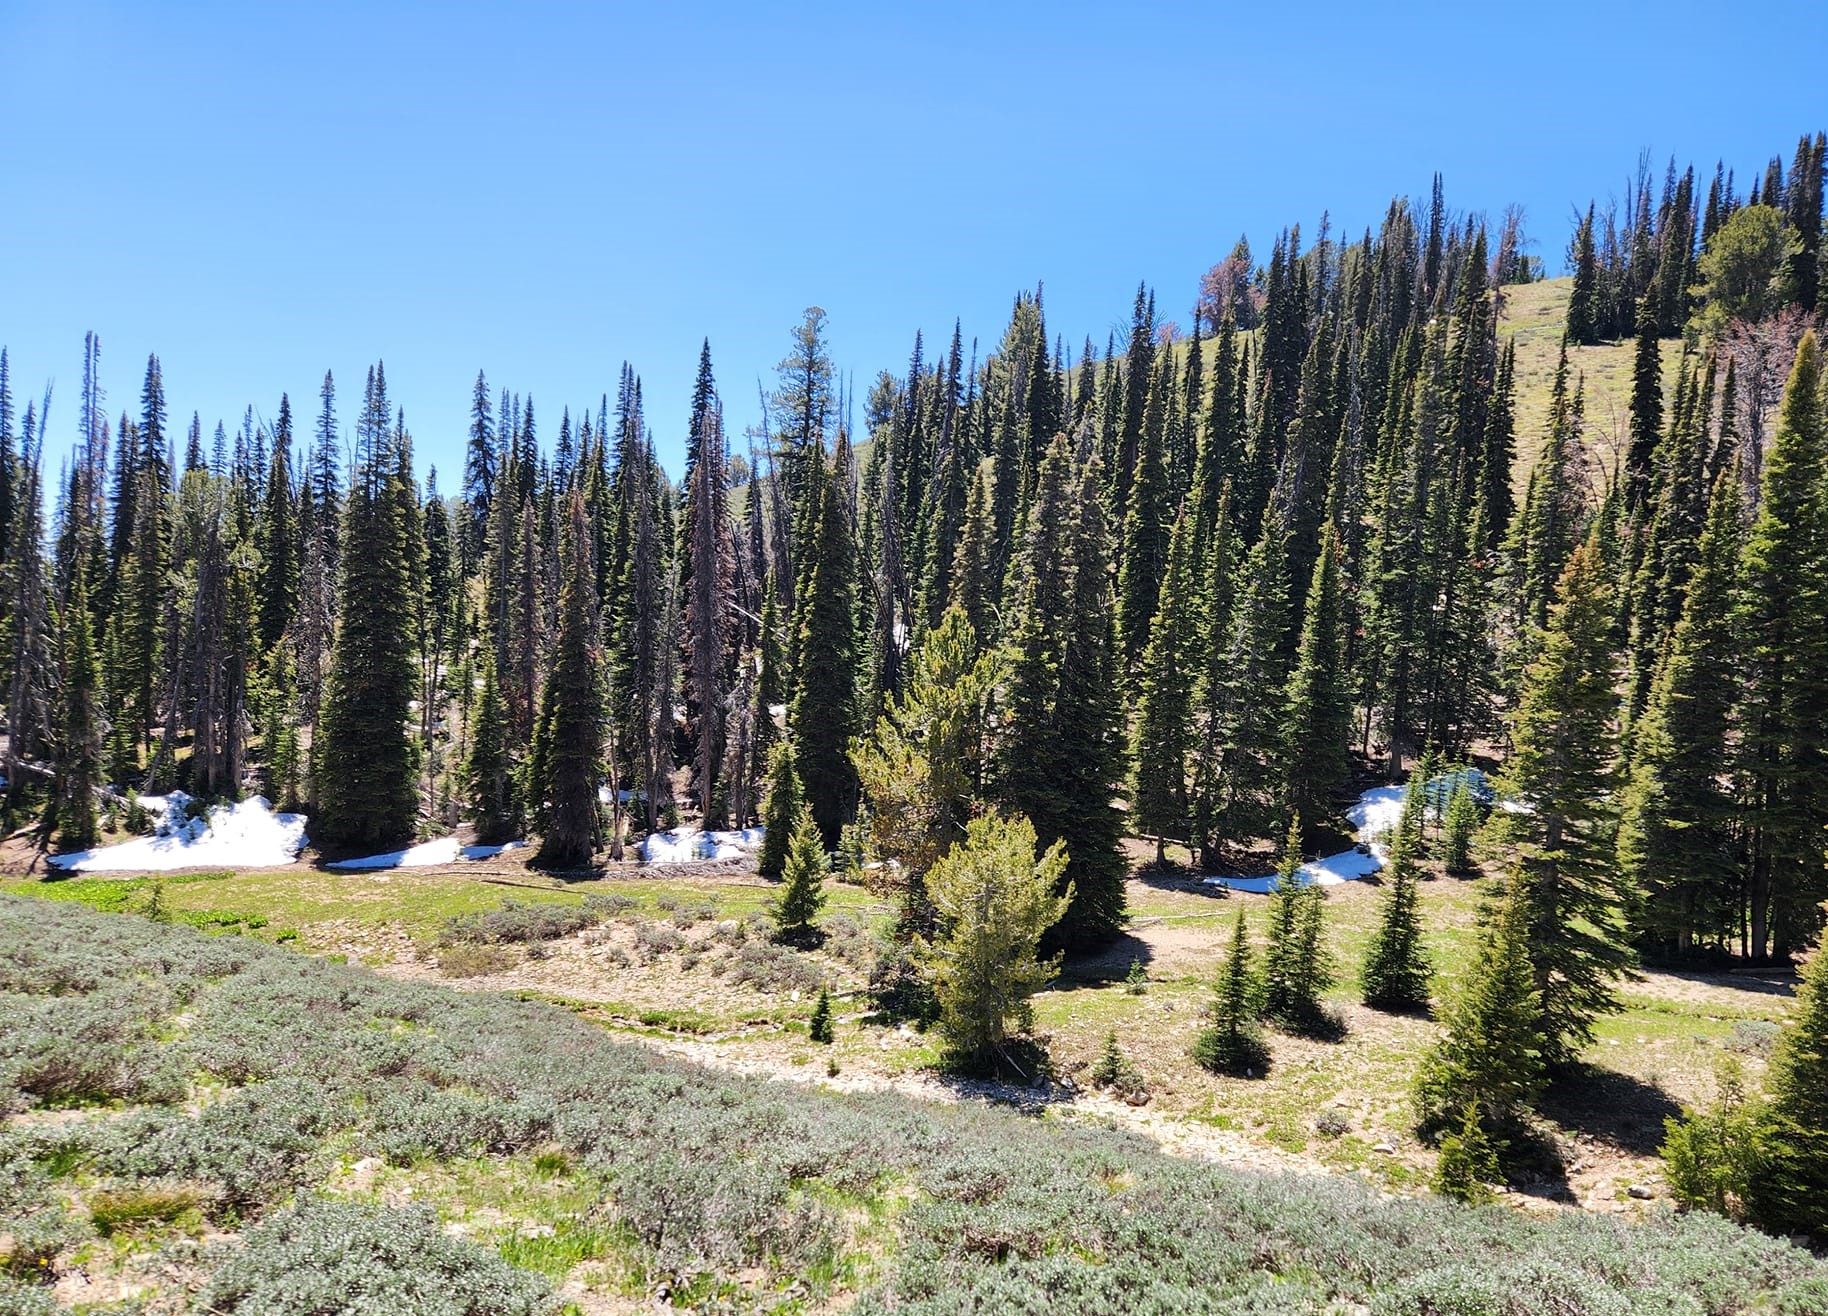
<point>262,192</point>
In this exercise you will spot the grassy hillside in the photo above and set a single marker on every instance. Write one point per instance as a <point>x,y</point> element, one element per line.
<point>1536,314</point>
<point>217,1124</point>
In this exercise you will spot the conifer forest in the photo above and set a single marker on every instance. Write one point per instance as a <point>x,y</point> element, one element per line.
<point>1313,797</point>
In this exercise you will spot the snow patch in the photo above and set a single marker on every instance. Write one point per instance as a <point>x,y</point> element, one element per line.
<point>1375,815</point>
<point>428,854</point>
<point>246,834</point>
<point>685,845</point>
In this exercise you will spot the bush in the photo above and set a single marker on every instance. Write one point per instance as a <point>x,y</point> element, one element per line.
<point>1712,1156</point>
<point>323,1255</point>
<point>1468,1162</point>
<point>771,968</point>
<point>118,1208</point>
<point>521,923</point>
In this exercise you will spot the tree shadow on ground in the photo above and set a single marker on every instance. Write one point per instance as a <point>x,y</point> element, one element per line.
<point>1106,965</point>
<point>1617,1109</point>
<point>1767,980</point>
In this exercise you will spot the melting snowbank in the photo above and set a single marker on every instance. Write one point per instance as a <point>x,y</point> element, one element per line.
<point>684,845</point>
<point>246,834</point>
<point>428,854</point>
<point>1375,815</point>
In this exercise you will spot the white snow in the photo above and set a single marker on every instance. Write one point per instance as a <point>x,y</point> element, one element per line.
<point>684,845</point>
<point>443,850</point>
<point>1375,814</point>
<point>247,834</point>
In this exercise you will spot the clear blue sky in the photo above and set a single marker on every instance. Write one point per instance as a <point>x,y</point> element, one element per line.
<point>260,192</point>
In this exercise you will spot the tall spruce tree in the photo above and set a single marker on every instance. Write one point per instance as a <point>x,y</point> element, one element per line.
<point>825,717</point>
<point>365,762</point>
<point>1783,636</point>
<point>1564,767</point>
<point>1318,716</point>
<point>572,734</point>
<point>1164,724</point>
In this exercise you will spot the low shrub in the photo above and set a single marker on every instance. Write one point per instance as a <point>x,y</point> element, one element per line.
<point>113,1209</point>
<point>473,961</point>
<point>770,967</point>
<point>323,1255</point>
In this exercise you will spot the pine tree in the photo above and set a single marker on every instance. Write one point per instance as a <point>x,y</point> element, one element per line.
<point>1583,311</point>
<point>1396,971</point>
<point>1782,629</point>
<point>1489,1058</point>
<point>1164,723</point>
<point>994,900</point>
<point>1318,713</point>
<point>1232,1043</point>
<point>1564,766</point>
<point>781,812</point>
<point>802,880</point>
<point>825,715</point>
<point>1790,1192</point>
<point>709,602</point>
<point>1646,407</point>
<point>1143,557</point>
<point>479,475</point>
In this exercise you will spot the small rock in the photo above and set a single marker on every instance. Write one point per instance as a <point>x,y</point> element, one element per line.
<point>1384,1148</point>
<point>1136,1098</point>
<point>1639,1191</point>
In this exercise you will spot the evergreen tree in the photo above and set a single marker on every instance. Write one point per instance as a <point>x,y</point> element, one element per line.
<point>782,812</point>
<point>994,900</point>
<point>494,802</point>
<point>1790,1192</point>
<point>1489,1059</point>
<point>1232,1042</point>
<point>278,536</point>
<point>802,880</point>
<point>1396,971</point>
<point>825,717</point>
<point>1677,839</point>
<point>1297,970</point>
<point>572,731</point>
<point>1164,722</point>
<point>1458,823</point>
<point>365,765</point>
<point>1564,767</point>
<point>819,1029</point>
<point>1583,313</point>
<point>1318,714</point>
<point>79,726</point>
<point>1782,629</point>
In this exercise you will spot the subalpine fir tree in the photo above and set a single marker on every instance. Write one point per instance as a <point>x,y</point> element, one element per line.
<point>780,812</point>
<point>1164,723</point>
<point>573,733</point>
<point>825,717</point>
<point>1783,637</point>
<point>802,880</point>
<point>365,766</point>
<point>1583,310</point>
<point>494,805</point>
<point>1646,407</point>
<point>709,604</point>
<point>79,726</point>
<point>1458,823</point>
<point>1297,970</point>
<point>1396,971</point>
<point>1677,837</point>
<point>1088,737</point>
<point>1790,1192</point>
<point>1564,766</point>
<point>819,1028</point>
<point>1252,724</point>
<point>278,536</point>
<point>1232,1042</point>
<point>1318,713</point>
<point>973,588</point>
<point>1142,559</point>
<point>1490,1056</point>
